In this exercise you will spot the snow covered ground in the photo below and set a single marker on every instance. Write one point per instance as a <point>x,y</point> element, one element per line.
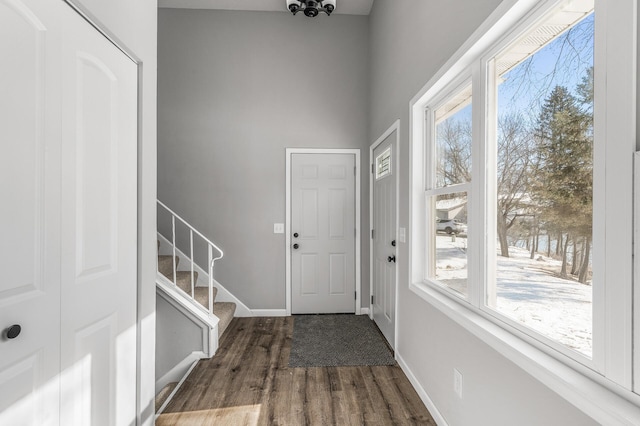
<point>528,291</point>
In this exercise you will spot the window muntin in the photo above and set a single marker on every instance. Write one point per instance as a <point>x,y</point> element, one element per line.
<point>383,164</point>
<point>544,181</point>
<point>448,185</point>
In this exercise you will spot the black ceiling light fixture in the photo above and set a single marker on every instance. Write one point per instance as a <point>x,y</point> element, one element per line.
<point>311,8</point>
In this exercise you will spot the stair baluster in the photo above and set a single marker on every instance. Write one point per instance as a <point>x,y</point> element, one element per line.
<point>210,263</point>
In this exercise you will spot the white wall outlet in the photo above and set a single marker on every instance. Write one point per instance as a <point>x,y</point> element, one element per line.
<point>457,383</point>
<point>402,235</point>
<point>278,228</point>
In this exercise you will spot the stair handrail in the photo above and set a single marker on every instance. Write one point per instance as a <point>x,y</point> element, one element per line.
<point>211,260</point>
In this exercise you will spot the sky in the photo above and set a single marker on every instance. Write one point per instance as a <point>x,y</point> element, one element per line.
<point>564,62</point>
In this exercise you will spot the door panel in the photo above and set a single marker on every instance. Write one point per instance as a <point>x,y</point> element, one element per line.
<point>323,216</point>
<point>338,274</point>
<point>98,292</point>
<point>309,274</point>
<point>338,210</point>
<point>30,194</point>
<point>96,167</point>
<point>384,226</point>
<point>309,219</point>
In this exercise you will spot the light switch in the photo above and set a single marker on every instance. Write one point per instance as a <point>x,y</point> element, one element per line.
<point>402,235</point>
<point>278,228</point>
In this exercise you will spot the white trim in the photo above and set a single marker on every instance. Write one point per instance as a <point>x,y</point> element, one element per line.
<point>615,95</point>
<point>177,373</point>
<point>83,11</point>
<point>269,313</point>
<point>636,270</point>
<point>288,153</point>
<point>175,390</point>
<point>395,127</point>
<point>166,290</point>
<point>365,311</point>
<point>428,402</point>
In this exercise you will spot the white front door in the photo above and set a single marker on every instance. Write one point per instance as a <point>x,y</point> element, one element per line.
<point>69,178</point>
<point>384,237</point>
<point>323,236</point>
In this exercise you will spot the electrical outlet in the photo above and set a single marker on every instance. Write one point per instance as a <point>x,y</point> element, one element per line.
<point>457,383</point>
<point>278,228</point>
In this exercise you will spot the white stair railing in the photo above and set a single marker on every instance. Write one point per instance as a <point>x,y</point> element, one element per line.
<point>210,251</point>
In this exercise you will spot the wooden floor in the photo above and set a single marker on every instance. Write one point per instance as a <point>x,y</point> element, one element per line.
<point>249,383</point>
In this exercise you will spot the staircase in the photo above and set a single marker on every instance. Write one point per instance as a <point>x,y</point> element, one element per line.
<point>223,310</point>
<point>191,291</point>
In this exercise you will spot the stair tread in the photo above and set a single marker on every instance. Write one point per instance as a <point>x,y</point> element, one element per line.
<point>164,393</point>
<point>165,266</point>
<point>224,311</point>
<point>183,280</point>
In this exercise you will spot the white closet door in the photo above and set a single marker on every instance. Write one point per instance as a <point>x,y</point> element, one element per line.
<point>30,212</point>
<point>99,149</point>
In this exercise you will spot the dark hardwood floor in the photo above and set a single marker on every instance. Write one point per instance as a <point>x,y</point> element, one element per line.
<point>249,383</point>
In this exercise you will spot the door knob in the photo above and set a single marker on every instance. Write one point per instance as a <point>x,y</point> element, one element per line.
<point>295,246</point>
<point>13,331</point>
<point>393,243</point>
<point>391,259</point>
<point>295,235</point>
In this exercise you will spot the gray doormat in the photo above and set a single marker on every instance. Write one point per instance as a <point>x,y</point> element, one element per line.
<point>337,340</point>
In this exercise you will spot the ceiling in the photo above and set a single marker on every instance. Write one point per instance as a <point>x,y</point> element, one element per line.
<point>346,7</point>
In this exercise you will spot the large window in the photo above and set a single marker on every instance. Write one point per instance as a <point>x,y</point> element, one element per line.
<point>544,178</point>
<point>522,212</point>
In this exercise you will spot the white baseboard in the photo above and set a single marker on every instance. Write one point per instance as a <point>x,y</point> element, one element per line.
<point>175,390</point>
<point>364,311</point>
<point>180,371</point>
<point>433,410</point>
<point>269,312</point>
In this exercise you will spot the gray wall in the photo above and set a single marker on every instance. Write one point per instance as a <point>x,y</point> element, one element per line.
<point>234,90</point>
<point>177,336</point>
<point>408,46</point>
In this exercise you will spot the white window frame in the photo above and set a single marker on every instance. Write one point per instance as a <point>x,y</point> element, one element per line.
<point>601,387</point>
<point>431,190</point>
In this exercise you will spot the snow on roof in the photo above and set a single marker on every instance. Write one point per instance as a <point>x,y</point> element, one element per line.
<point>451,203</point>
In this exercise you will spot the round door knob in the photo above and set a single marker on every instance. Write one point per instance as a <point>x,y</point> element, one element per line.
<point>295,246</point>
<point>13,331</point>
<point>393,243</point>
<point>391,259</point>
<point>295,235</point>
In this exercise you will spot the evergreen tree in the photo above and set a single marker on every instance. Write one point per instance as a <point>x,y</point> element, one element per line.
<point>563,181</point>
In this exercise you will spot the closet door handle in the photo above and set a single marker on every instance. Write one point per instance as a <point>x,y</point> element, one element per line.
<point>13,331</point>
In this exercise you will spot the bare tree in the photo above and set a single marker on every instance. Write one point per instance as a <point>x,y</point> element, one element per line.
<point>515,149</point>
<point>453,152</point>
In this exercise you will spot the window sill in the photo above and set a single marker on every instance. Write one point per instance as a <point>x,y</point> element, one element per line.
<point>601,399</point>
